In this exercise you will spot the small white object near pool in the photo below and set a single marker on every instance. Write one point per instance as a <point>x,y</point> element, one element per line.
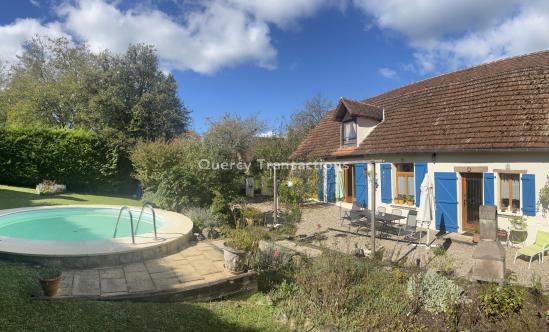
<point>81,236</point>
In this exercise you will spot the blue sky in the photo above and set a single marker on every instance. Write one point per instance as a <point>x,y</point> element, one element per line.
<point>268,57</point>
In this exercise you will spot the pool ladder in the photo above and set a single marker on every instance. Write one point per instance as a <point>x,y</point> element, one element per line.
<point>125,208</point>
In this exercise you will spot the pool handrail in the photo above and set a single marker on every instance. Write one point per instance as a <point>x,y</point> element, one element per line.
<point>150,206</point>
<point>125,208</point>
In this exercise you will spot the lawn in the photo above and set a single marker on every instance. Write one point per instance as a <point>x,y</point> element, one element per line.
<point>14,197</point>
<point>20,312</point>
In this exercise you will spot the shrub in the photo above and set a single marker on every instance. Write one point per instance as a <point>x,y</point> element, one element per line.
<point>271,257</point>
<point>292,191</point>
<point>252,215</point>
<point>170,173</point>
<point>498,301</point>
<point>246,239</point>
<point>77,158</point>
<point>201,217</point>
<point>435,292</point>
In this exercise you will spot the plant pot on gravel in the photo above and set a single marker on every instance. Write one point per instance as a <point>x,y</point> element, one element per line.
<point>50,278</point>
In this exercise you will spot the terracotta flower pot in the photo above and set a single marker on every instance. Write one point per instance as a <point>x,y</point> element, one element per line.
<point>476,238</point>
<point>234,259</point>
<point>50,287</point>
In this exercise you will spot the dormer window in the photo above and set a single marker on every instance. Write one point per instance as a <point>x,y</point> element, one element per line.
<point>349,133</point>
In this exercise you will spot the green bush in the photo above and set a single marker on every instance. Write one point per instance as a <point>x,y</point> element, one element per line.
<point>292,191</point>
<point>246,239</point>
<point>77,158</point>
<point>201,217</point>
<point>435,292</point>
<point>498,301</point>
<point>170,173</point>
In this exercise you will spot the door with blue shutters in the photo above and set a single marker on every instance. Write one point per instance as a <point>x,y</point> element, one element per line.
<point>331,184</point>
<point>471,199</point>
<point>361,185</point>
<point>446,201</point>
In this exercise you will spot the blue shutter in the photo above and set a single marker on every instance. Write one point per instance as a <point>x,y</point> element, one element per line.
<point>488,188</point>
<point>446,201</point>
<point>320,184</point>
<point>420,169</point>
<point>386,196</point>
<point>361,185</point>
<point>529,194</point>
<point>331,184</point>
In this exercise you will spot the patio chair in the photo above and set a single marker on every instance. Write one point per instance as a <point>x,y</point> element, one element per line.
<point>381,209</point>
<point>351,214</point>
<point>538,248</point>
<point>409,230</point>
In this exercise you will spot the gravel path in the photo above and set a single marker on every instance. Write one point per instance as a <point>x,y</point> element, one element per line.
<point>460,248</point>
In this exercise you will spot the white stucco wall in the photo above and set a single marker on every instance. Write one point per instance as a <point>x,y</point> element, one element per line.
<point>533,162</point>
<point>364,128</point>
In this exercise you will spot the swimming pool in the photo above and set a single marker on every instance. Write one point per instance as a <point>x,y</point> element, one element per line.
<point>73,224</point>
<point>81,236</point>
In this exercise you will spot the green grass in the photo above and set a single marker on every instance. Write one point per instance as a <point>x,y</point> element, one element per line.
<point>14,197</point>
<point>20,312</point>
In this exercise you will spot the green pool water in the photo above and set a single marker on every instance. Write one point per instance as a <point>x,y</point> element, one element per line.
<point>72,224</point>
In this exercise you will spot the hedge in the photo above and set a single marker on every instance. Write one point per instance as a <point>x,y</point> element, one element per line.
<point>77,158</point>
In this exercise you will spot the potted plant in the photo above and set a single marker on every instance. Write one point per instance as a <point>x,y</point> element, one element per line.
<point>518,223</point>
<point>476,235</point>
<point>410,200</point>
<point>236,248</point>
<point>399,199</point>
<point>50,278</point>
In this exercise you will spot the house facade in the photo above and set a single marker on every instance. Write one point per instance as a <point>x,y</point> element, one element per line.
<point>480,134</point>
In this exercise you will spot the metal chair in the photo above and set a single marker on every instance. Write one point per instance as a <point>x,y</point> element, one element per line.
<point>409,230</point>
<point>381,209</point>
<point>353,214</point>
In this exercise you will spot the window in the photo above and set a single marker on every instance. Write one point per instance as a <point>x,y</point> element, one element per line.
<point>510,192</point>
<point>349,133</point>
<point>405,181</point>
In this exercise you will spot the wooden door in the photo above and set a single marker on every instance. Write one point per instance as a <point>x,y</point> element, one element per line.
<point>349,183</point>
<point>471,199</point>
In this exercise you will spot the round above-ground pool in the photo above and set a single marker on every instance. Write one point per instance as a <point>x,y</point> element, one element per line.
<point>82,236</point>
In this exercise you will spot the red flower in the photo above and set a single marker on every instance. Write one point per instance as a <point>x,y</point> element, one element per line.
<point>317,226</point>
<point>276,253</point>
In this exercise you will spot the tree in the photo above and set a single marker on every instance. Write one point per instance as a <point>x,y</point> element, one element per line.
<point>58,84</point>
<point>304,120</point>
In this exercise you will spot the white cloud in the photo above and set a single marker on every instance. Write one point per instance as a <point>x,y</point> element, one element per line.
<point>13,36</point>
<point>450,34</point>
<point>388,73</point>
<point>205,37</point>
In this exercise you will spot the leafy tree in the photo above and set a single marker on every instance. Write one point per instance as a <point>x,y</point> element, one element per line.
<point>58,84</point>
<point>302,121</point>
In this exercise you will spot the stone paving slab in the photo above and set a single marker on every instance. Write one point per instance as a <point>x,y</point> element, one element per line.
<point>198,264</point>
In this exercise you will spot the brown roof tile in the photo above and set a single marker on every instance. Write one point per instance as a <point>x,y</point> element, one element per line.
<point>499,105</point>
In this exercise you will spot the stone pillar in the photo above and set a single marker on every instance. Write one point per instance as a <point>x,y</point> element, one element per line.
<point>489,254</point>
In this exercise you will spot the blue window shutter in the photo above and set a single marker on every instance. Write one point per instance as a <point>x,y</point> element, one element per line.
<point>361,185</point>
<point>488,188</point>
<point>330,190</point>
<point>386,196</point>
<point>320,184</point>
<point>420,169</point>
<point>529,194</point>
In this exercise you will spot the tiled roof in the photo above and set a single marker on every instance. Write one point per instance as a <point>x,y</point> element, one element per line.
<point>499,105</point>
<point>358,108</point>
